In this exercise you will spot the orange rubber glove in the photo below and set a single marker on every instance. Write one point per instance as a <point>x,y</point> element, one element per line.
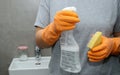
<point>63,20</point>
<point>102,51</point>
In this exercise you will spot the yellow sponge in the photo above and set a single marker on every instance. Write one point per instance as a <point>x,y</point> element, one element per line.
<point>95,40</point>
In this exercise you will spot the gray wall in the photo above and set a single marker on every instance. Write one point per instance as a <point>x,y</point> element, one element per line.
<point>17,18</point>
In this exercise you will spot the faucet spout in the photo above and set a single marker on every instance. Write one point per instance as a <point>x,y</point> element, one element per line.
<point>37,53</point>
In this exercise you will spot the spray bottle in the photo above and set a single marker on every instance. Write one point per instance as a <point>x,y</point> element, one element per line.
<point>69,61</point>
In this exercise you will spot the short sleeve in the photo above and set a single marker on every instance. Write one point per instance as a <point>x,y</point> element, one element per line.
<point>43,15</point>
<point>117,25</point>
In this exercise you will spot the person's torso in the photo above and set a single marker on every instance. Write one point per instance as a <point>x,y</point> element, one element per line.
<point>95,15</point>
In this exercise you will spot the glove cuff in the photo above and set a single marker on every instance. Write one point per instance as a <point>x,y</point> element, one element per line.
<point>49,35</point>
<point>116,46</point>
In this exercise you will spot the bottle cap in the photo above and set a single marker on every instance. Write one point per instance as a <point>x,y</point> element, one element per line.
<point>70,8</point>
<point>22,47</point>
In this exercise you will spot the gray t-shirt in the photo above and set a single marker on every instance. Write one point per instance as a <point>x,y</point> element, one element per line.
<point>95,15</point>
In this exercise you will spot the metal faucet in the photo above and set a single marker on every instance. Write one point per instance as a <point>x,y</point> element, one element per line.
<point>37,53</point>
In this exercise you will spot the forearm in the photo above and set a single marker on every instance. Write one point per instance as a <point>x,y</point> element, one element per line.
<point>39,41</point>
<point>46,37</point>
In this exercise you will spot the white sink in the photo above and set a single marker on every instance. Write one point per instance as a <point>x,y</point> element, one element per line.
<point>29,67</point>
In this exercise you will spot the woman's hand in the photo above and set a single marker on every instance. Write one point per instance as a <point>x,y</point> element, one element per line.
<point>65,20</point>
<point>101,51</point>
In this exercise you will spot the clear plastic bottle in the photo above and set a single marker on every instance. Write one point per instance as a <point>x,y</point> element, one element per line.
<point>70,60</point>
<point>22,53</point>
